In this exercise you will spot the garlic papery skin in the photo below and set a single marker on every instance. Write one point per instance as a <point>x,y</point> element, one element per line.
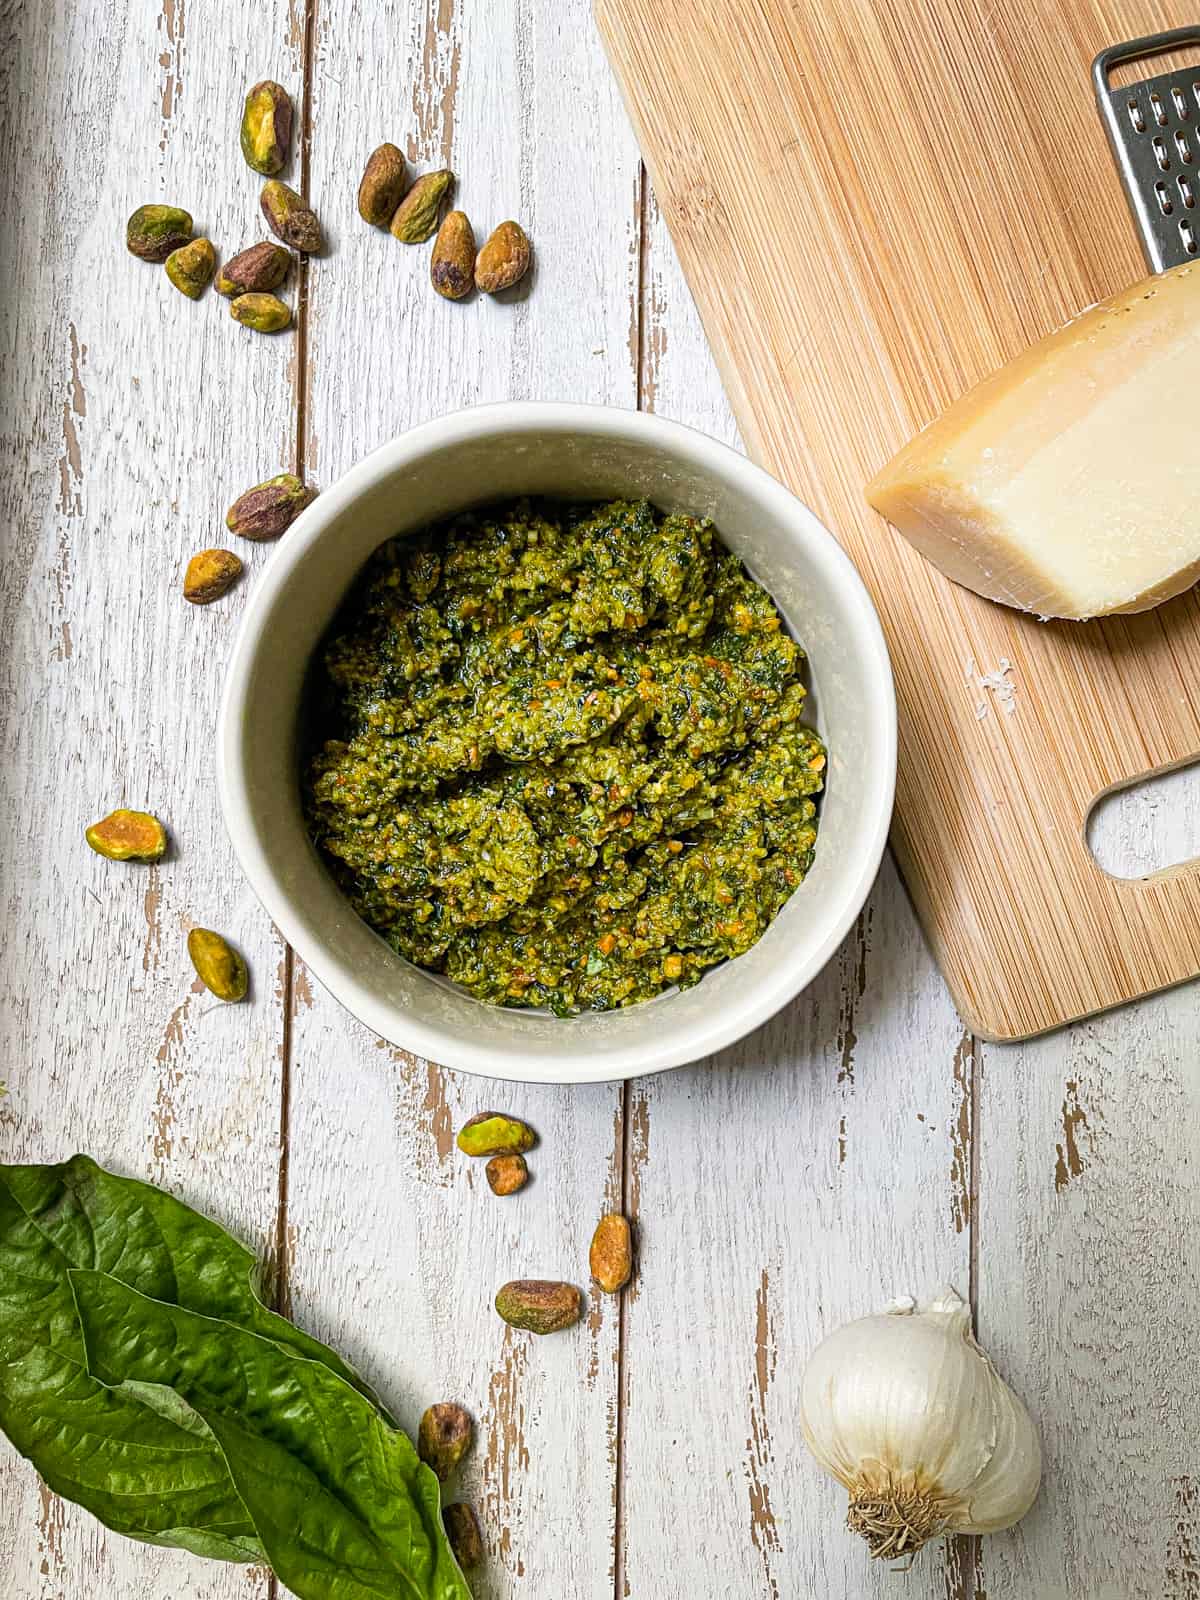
<point>906,1411</point>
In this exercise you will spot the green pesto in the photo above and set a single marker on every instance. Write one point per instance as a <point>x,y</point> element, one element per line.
<point>560,753</point>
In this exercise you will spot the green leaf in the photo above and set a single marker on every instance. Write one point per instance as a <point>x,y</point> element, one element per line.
<point>153,1242</point>
<point>144,1472</point>
<point>140,1474</point>
<point>143,1463</point>
<point>344,1508</point>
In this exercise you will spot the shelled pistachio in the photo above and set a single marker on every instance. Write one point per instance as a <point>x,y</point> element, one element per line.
<point>266,130</point>
<point>265,313</point>
<point>416,217</point>
<point>153,232</point>
<point>290,217</point>
<point>258,270</point>
<point>382,185</point>
<point>191,267</point>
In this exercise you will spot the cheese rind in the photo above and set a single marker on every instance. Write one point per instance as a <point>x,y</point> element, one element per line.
<point>1068,483</point>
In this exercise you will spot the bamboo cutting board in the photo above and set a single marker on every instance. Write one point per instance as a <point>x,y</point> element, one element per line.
<point>877,203</point>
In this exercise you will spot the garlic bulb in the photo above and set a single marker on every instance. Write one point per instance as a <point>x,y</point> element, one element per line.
<point>909,1414</point>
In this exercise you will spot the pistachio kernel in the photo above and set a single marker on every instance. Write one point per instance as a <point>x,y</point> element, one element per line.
<point>153,232</point>
<point>258,270</point>
<point>611,1255</point>
<point>539,1306</point>
<point>444,1437</point>
<point>491,1133</point>
<point>270,508</point>
<point>191,267</point>
<point>382,186</point>
<point>452,265</point>
<point>267,127</point>
<point>289,218</point>
<point>416,217</point>
<point>506,1174</point>
<point>265,313</point>
<point>462,1530</point>
<point>128,836</point>
<point>218,965</point>
<point>504,259</point>
<point>209,575</point>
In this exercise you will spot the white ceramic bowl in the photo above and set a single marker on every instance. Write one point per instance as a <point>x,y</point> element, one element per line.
<point>587,452</point>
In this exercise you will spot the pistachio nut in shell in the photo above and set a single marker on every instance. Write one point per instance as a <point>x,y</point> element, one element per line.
<point>209,575</point>
<point>270,508</point>
<point>416,217</point>
<point>191,267</point>
<point>491,1133</point>
<point>128,836</point>
<point>218,965</point>
<point>506,1174</point>
<point>267,127</point>
<point>265,313</point>
<point>611,1255</point>
<point>153,232</point>
<point>452,265</point>
<point>504,259</point>
<point>538,1305</point>
<point>289,218</point>
<point>444,1437</point>
<point>258,270</point>
<point>462,1530</point>
<point>382,186</point>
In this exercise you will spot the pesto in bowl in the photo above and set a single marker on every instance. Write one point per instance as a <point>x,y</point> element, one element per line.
<point>560,754</point>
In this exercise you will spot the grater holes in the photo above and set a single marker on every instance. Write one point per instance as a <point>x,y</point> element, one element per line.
<point>1186,193</point>
<point>1156,109</point>
<point>1165,204</point>
<point>1181,105</point>
<point>1181,144</point>
<point>1188,236</point>
<point>1137,117</point>
<point>1160,154</point>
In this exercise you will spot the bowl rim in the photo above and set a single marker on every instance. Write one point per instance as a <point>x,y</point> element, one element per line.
<point>410,1031</point>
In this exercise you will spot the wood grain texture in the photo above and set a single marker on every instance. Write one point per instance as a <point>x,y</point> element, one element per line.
<point>824,1175</point>
<point>399,1245</point>
<point>857,268</point>
<point>1089,1266</point>
<point>129,417</point>
<point>826,1165</point>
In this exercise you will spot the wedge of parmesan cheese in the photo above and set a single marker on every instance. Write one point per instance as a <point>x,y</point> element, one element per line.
<point>1068,483</point>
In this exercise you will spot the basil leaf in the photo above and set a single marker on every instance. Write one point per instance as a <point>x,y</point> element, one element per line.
<point>344,1508</point>
<point>147,1472</point>
<point>150,1240</point>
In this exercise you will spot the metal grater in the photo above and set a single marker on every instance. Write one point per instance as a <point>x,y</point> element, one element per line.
<point>1153,127</point>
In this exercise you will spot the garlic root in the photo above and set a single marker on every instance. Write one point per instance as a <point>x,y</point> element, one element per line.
<point>898,1523</point>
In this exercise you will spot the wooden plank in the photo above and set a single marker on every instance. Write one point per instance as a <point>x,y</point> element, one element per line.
<point>1089,1283</point>
<point>826,1167</point>
<point>901,264</point>
<point>130,417</point>
<point>398,1244</point>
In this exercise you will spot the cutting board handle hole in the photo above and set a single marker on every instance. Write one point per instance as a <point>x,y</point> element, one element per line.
<point>1149,826</point>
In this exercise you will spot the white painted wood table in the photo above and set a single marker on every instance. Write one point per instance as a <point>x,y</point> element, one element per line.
<point>860,1144</point>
